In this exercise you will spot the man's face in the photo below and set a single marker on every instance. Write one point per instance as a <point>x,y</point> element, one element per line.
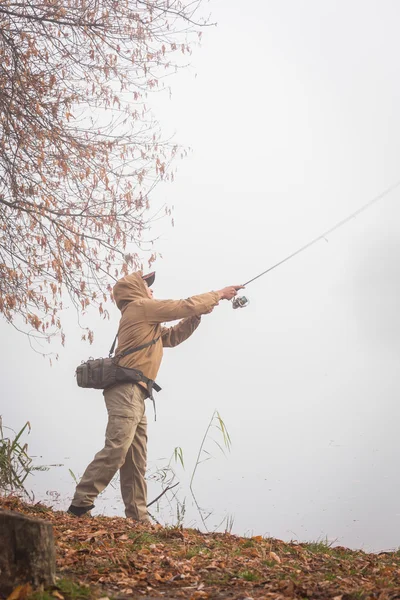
<point>149,291</point>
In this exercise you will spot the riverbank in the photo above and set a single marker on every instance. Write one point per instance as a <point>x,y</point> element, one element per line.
<point>105,557</point>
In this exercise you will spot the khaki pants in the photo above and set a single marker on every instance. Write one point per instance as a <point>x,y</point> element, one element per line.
<point>125,450</point>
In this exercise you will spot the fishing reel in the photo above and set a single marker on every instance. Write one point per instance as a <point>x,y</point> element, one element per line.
<point>240,302</point>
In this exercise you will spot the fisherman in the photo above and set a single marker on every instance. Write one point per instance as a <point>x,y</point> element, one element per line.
<point>126,434</point>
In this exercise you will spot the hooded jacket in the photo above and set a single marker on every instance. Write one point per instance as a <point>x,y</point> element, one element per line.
<point>142,317</point>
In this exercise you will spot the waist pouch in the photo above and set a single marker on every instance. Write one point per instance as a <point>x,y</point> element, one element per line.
<point>102,373</point>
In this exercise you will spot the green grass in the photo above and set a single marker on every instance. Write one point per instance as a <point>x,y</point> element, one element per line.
<point>248,544</point>
<point>192,552</point>
<point>74,591</point>
<point>358,595</point>
<point>343,555</point>
<point>40,596</point>
<point>69,589</point>
<point>195,551</point>
<point>319,547</point>
<point>287,550</point>
<point>192,531</point>
<point>40,508</point>
<point>169,531</point>
<point>269,563</point>
<point>249,575</point>
<point>217,578</point>
<point>139,540</point>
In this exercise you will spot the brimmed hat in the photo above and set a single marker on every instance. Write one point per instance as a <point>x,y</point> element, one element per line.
<point>149,278</point>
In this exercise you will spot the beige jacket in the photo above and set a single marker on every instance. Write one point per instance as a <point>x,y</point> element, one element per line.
<point>142,317</point>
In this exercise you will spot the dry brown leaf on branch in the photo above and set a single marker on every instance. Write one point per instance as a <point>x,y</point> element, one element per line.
<point>79,163</point>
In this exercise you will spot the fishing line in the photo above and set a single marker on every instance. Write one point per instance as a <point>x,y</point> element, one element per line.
<point>242,301</point>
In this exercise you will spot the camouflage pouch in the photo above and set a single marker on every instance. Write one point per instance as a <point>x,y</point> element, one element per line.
<point>102,373</point>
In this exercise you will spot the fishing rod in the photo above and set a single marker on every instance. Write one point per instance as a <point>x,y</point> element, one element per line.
<point>243,301</point>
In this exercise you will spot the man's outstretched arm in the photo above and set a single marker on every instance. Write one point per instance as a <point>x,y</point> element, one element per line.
<point>173,336</point>
<point>160,311</point>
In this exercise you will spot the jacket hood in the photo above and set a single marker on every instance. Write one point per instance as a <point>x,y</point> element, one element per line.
<point>129,288</point>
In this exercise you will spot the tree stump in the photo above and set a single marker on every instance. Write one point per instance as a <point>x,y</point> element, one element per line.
<point>27,553</point>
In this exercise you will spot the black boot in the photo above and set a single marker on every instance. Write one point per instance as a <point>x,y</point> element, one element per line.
<point>80,511</point>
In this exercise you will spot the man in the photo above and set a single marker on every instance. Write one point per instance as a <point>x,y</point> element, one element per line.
<point>126,434</point>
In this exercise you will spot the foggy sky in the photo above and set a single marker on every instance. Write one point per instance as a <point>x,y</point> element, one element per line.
<point>294,122</point>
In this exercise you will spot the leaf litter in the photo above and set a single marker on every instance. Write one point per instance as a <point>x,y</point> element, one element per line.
<point>112,558</point>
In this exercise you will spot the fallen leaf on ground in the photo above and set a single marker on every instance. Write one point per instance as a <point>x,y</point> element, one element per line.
<point>275,557</point>
<point>20,592</point>
<point>109,557</point>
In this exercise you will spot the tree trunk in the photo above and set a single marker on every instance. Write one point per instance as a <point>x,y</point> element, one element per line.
<point>27,553</point>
